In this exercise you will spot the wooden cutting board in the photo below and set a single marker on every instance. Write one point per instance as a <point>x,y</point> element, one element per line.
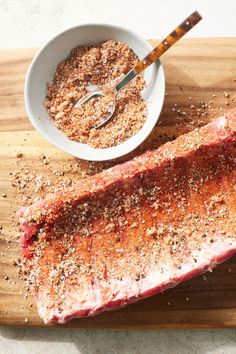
<point>198,72</point>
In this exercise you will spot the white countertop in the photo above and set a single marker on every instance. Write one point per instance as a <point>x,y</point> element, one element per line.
<point>71,341</point>
<point>32,22</point>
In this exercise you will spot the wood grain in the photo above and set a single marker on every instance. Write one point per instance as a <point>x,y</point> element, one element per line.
<point>195,70</point>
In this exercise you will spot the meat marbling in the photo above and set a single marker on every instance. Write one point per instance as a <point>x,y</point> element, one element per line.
<point>135,229</point>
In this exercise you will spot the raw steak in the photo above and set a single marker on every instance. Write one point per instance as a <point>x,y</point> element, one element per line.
<point>135,229</point>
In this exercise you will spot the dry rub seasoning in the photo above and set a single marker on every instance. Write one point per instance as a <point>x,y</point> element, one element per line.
<point>99,65</point>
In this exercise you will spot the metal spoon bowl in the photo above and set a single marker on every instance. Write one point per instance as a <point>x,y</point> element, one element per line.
<point>93,92</point>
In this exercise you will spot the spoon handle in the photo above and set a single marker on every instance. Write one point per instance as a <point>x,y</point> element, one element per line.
<point>167,42</point>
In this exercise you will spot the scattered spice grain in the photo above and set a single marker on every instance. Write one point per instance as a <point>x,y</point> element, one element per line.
<point>19,155</point>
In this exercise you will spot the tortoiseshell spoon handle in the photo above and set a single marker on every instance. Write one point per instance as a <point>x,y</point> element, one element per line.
<point>171,39</point>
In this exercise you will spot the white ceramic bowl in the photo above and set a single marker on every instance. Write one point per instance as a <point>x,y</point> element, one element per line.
<point>44,64</point>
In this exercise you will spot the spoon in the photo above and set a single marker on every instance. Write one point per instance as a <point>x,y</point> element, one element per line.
<point>155,54</point>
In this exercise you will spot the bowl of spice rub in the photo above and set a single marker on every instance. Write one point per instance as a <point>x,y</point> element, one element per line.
<point>63,106</point>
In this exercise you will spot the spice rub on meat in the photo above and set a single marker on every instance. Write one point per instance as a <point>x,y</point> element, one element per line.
<point>102,65</point>
<point>135,229</point>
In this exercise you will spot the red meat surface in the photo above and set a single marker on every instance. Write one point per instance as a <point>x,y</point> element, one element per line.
<point>135,229</point>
